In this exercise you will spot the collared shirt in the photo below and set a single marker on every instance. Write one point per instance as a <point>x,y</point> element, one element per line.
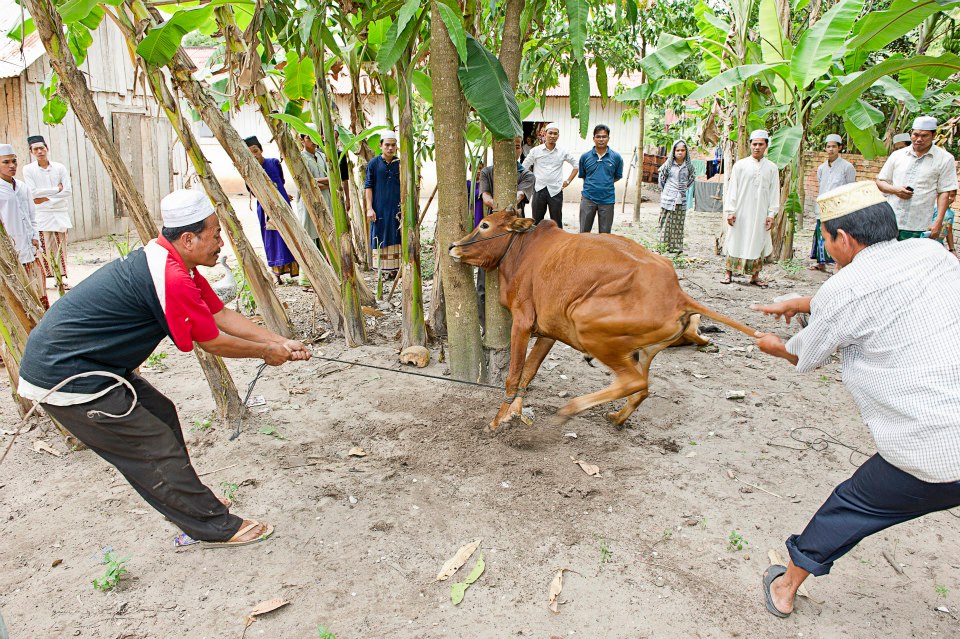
<point>54,214</point>
<point>892,313</point>
<point>547,167</point>
<point>113,320</point>
<point>752,193</point>
<point>18,214</point>
<point>599,174</point>
<point>830,176</point>
<point>932,173</point>
<point>525,181</point>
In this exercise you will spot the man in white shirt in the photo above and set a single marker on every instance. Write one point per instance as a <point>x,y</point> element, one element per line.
<point>920,182</point>
<point>891,312</point>
<point>18,216</point>
<point>50,184</point>
<point>901,140</point>
<point>546,162</point>
<point>833,173</point>
<point>751,200</point>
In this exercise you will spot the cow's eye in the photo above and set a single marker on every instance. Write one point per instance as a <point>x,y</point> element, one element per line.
<point>484,225</point>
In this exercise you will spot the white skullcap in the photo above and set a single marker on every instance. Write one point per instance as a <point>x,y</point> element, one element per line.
<point>901,137</point>
<point>389,135</point>
<point>759,134</point>
<point>7,149</point>
<point>833,137</point>
<point>184,207</point>
<point>552,125</point>
<point>925,123</point>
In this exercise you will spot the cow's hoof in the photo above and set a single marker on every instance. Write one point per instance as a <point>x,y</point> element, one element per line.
<point>612,418</point>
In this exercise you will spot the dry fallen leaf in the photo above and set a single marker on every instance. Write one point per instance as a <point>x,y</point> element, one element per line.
<point>356,451</point>
<point>372,312</point>
<point>454,563</point>
<point>56,562</point>
<point>590,469</point>
<point>555,587</point>
<point>263,608</point>
<point>775,558</point>
<point>40,445</point>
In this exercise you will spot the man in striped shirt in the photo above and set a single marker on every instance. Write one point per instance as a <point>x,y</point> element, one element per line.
<point>891,311</point>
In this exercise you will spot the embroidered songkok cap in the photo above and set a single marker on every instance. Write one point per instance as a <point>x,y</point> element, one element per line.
<point>848,199</point>
<point>184,207</point>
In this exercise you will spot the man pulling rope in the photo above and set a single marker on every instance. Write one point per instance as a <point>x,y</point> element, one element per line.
<point>112,322</point>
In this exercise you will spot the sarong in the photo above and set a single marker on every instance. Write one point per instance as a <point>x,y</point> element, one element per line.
<point>817,251</point>
<point>58,241</point>
<point>745,266</point>
<point>671,228</point>
<point>388,258</point>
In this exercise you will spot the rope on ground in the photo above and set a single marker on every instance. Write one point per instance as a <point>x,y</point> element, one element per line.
<point>820,443</point>
<point>243,406</point>
<point>397,370</point>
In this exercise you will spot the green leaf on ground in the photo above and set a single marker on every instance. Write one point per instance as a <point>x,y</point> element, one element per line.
<point>458,590</point>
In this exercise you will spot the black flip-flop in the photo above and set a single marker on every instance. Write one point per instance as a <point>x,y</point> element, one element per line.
<point>769,575</point>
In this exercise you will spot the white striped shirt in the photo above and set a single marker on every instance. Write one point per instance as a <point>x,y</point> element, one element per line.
<point>893,313</point>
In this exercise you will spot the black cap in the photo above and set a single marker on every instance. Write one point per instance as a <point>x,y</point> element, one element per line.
<point>36,139</point>
<point>252,140</point>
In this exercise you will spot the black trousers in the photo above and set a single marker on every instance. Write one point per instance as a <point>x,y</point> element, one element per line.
<point>542,200</point>
<point>877,496</point>
<point>147,448</point>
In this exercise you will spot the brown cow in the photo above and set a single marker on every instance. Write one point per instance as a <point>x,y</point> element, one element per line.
<point>604,295</point>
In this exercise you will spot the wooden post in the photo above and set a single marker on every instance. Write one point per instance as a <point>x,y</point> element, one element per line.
<point>643,124</point>
<point>50,28</point>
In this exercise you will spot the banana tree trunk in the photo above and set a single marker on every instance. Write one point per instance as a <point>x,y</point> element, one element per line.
<point>321,274</point>
<point>414,332</point>
<point>50,28</point>
<point>497,318</point>
<point>643,125</point>
<point>782,232</point>
<point>454,216</point>
<point>261,285</point>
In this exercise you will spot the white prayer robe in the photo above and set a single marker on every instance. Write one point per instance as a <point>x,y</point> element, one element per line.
<point>54,214</point>
<point>831,176</point>
<point>19,218</point>
<point>752,193</point>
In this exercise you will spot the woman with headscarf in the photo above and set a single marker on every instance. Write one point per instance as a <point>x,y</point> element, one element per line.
<point>676,176</point>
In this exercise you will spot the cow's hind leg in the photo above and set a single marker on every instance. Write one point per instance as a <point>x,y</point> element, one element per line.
<point>645,358</point>
<point>629,380</point>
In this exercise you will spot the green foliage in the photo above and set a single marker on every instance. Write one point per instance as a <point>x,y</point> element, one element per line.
<point>398,36</point>
<point>458,590</point>
<point>735,541</point>
<point>578,12</point>
<point>230,490</point>
<point>114,570</point>
<point>155,360</point>
<point>941,590</point>
<point>201,425</point>
<point>123,246</point>
<point>162,41</point>
<point>246,303</point>
<point>793,266</point>
<point>580,96</point>
<point>299,77</point>
<point>663,86</point>
<point>732,78</point>
<point>605,554</point>
<point>487,90</point>
<point>324,633</point>
<point>785,145</point>
<point>271,431</point>
<point>824,40</point>
<point>453,20</point>
<point>666,57</point>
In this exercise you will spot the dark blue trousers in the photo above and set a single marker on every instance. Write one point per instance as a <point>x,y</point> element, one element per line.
<point>877,496</point>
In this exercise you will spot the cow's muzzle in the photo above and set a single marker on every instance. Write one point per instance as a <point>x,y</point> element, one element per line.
<point>454,252</point>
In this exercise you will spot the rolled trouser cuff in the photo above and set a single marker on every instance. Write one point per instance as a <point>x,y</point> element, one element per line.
<point>802,561</point>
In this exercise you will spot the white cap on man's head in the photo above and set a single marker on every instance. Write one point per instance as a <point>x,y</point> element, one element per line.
<point>552,125</point>
<point>925,123</point>
<point>759,134</point>
<point>7,149</point>
<point>833,137</point>
<point>184,207</point>
<point>389,135</point>
<point>901,137</point>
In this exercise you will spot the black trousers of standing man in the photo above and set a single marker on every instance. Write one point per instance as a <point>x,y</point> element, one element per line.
<point>542,200</point>
<point>147,448</point>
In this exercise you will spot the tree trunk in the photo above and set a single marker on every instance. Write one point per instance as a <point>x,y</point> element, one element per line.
<point>321,274</point>
<point>261,284</point>
<point>782,231</point>
<point>48,24</point>
<point>643,125</point>
<point>414,332</point>
<point>454,215</point>
<point>498,321</point>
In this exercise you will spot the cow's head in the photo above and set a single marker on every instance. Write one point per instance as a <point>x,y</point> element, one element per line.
<point>491,240</point>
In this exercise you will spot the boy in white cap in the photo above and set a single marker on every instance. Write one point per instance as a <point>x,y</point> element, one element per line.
<point>546,162</point>
<point>751,200</point>
<point>918,180</point>
<point>18,214</point>
<point>110,323</point>
<point>891,312</point>
<point>901,140</point>
<point>833,173</point>
<point>50,183</point>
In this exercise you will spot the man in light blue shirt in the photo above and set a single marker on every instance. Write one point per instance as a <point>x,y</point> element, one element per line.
<point>600,168</point>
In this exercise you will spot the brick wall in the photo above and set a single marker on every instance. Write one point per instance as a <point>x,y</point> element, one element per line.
<point>866,170</point>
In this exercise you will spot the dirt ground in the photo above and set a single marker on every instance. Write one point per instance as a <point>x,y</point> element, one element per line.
<point>358,541</point>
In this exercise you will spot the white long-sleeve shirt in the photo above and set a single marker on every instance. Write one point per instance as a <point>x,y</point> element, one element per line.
<point>54,214</point>
<point>892,313</point>
<point>19,218</point>
<point>752,193</point>
<point>547,167</point>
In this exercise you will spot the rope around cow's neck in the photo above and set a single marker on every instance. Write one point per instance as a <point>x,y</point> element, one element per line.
<point>90,413</point>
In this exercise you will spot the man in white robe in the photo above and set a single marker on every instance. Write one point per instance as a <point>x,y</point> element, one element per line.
<point>18,215</point>
<point>50,183</point>
<point>833,173</point>
<point>751,200</point>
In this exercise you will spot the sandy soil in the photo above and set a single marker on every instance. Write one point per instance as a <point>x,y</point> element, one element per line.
<point>360,540</point>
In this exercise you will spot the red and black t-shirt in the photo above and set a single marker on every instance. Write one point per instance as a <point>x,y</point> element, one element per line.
<point>113,320</point>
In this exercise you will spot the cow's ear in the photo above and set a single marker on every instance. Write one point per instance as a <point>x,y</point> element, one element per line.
<point>520,224</point>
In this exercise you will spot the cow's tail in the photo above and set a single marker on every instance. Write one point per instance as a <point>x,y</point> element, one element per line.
<point>694,306</point>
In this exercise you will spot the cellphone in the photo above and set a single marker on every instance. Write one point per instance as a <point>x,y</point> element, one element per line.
<point>909,188</point>
<point>926,234</point>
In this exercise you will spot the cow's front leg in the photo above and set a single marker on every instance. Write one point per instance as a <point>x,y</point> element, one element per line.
<point>512,405</point>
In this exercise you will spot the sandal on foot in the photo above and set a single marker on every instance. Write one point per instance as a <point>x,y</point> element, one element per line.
<point>760,283</point>
<point>727,280</point>
<point>771,574</point>
<point>183,540</point>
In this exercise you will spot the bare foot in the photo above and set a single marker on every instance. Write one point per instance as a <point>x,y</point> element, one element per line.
<point>782,595</point>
